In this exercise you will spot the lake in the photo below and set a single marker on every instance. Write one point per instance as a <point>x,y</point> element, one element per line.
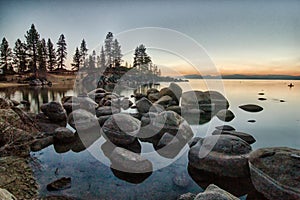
<point>92,178</point>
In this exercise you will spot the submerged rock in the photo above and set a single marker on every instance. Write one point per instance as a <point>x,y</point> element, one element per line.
<point>213,192</point>
<point>275,172</point>
<point>224,155</point>
<point>60,184</point>
<point>251,108</point>
<point>244,136</point>
<point>225,128</point>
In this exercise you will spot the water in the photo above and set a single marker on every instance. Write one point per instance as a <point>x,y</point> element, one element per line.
<point>277,125</point>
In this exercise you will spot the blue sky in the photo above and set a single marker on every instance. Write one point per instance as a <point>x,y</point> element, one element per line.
<point>249,37</point>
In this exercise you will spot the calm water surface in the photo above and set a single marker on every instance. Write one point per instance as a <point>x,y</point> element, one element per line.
<point>277,125</point>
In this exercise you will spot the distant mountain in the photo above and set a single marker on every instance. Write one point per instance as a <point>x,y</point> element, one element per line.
<point>240,76</point>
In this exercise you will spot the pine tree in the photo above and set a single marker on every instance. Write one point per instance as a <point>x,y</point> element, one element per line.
<point>6,55</point>
<point>51,57</point>
<point>108,49</point>
<point>76,60</point>
<point>61,51</point>
<point>141,58</point>
<point>116,53</point>
<point>102,58</point>
<point>32,39</point>
<point>20,56</point>
<point>83,53</point>
<point>91,62</point>
<point>98,63</point>
<point>42,56</point>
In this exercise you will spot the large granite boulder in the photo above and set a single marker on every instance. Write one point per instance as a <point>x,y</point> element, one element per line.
<point>224,155</point>
<point>82,120</point>
<point>275,172</point>
<point>54,111</point>
<point>121,129</point>
<point>63,135</point>
<point>213,192</point>
<point>143,105</point>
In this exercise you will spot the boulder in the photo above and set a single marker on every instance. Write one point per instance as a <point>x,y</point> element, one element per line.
<point>194,98</point>
<point>244,136</point>
<point>176,109</point>
<point>54,111</point>
<point>165,101</point>
<point>121,128</point>
<point>125,103</point>
<point>127,161</point>
<point>152,91</point>
<point>275,172</point>
<point>225,115</point>
<point>45,124</point>
<point>82,120</point>
<point>42,143</point>
<point>217,99</point>
<point>153,97</point>
<point>60,184</point>
<point>224,155</point>
<point>143,105</point>
<point>187,196</point>
<point>106,110</point>
<point>213,192</point>
<point>71,106</point>
<point>63,135</point>
<point>251,108</point>
<point>177,91</point>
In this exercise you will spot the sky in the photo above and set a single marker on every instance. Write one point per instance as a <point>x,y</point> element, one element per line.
<point>228,36</point>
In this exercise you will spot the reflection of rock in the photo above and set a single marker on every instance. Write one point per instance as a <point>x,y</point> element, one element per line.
<point>143,105</point>
<point>251,108</point>
<point>121,128</point>
<point>63,135</point>
<point>60,184</point>
<point>55,112</point>
<point>108,147</point>
<point>135,178</point>
<point>225,115</point>
<point>236,186</point>
<point>275,172</point>
<point>82,120</point>
<point>244,136</point>
<point>213,192</point>
<point>224,155</point>
<point>42,143</point>
<point>127,161</point>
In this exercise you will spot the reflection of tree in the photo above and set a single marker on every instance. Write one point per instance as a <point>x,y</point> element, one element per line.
<point>44,95</point>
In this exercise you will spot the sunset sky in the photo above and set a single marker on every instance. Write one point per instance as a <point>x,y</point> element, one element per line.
<point>240,37</point>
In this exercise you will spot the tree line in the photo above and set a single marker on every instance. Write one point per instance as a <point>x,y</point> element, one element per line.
<point>36,55</point>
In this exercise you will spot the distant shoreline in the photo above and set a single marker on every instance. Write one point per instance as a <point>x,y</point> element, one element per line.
<point>239,77</point>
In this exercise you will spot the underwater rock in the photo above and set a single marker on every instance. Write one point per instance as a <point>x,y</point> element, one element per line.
<point>60,184</point>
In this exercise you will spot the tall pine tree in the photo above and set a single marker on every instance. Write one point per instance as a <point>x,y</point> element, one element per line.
<point>108,49</point>
<point>32,39</point>
<point>76,60</point>
<point>20,56</point>
<point>83,53</point>
<point>42,57</point>
<point>141,59</point>
<point>51,57</point>
<point>6,55</point>
<point>61,51</point>
<point>116,52</point>
<point>102,58</point>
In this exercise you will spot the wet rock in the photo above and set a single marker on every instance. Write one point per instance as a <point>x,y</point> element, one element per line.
<point>225,128</point>
<point>165,101</point>
<point>82,120</point>
<point>106,110</point>
<point>217,99</point>
<point>213,192</point>
<point>125,103</point>
<point>244,136</point>
<point>6,195</point>
<point>134,178</point>
<point>251,108</point>
<point>45,124</point>
<point>54,111</point>
<point>261,93</point>
<point>143,105</point>
<point>251,120</point>
<point>70,106</point>
<point>121,128</point>
<point>177,91</point>
<point>60,184</point>
<point>224,155</point>
<point>63,135</point>
<point>152,91</point>
<point>42,143</point>
<point>275,172</point>
<point>127,161</point>
<point>187,196</point>
<point>225,115</point>
<point>102,119</point>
